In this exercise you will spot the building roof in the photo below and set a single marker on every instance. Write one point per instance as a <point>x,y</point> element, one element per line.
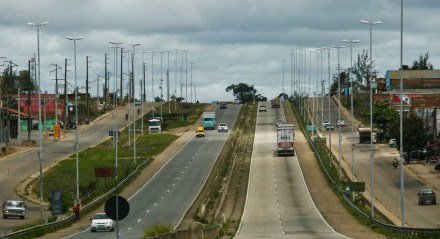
<point>415,74</point>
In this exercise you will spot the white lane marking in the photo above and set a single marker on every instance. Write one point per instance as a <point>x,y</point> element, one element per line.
<point>140,219</point>
<point>147,211</point>
<point>129,228</point>
<point>168,191</point>
<point>155,204</point>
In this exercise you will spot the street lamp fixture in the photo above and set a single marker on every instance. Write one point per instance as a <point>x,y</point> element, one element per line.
<point>40,137</point>
<point>74,39</point>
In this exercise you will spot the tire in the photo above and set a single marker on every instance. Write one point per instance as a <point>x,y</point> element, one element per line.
<point>22,217</point>
<point>112,229</point>
<point>91,230</point>
<point>5,217</point>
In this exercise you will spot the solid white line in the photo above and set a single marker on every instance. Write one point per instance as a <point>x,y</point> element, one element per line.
<point>140,219</point>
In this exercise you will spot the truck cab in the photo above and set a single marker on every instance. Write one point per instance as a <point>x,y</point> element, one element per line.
<point>155,125</point>
<point>208,120</point>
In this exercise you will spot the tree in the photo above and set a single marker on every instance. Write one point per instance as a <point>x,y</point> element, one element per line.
<point>242,92</point>
<point>423,63</point>
<point>344,80</point>
<point>362,68</point>
<point>259,97</point>
<point>414,132</point>
<point>283,95</point>
<point>383,115</point>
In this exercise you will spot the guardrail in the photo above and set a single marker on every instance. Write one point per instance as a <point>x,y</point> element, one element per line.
<point>53,226</point>
<point>413,230</point>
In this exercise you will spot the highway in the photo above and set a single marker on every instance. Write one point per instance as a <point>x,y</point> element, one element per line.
<point>165,198</point>
<point>386,178</point>
<point>278,203</point>
<point>17,168</point>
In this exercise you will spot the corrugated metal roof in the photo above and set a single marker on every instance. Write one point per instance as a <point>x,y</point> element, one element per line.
<point>415,74</point>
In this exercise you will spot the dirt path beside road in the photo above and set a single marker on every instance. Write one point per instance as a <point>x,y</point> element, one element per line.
<point>324,198</point>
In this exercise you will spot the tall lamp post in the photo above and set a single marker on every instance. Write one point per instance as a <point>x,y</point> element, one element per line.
<point>283,76</point>
<point>40,137</point>
<point>143,91</point>
<point>74,39</point>
<point>351,42</point>
<point>133,96</point>
<point>339,115</point>
<point>402,186</point>
<point>372,83</point>
<point>191,84</point>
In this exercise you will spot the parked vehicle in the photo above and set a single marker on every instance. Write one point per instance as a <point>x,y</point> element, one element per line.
<point>325,123</point>
<point>427,196</point>
<point>208,120</point>
<point>14,208</point>
<point>101,222</point>
<point>200,131</point>
<point>285,139</point>
<point>222,127</point>
<point>415,155</point>
<point>262,108</point>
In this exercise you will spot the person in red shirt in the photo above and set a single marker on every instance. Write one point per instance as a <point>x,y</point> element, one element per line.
<point>76,212</point>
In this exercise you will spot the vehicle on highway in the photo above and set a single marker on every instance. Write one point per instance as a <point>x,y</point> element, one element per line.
<point>14,208</point>
<point>427,196</point>
<point>279,122</point>
<point>325,123</point>
<point>155,125</point>
<point>341,122</point>
<point>262,108</point>
<point>329,127</point>
<point>276,103</point>
<point>236,101</point>
<point>364,135</point>
<point>137,103</point>
<point>208,120</point>
<point>200,132</point>
<point>222,127</point>
<point>101,222</point>
<point>392,143</point>
<point>223,106</point>
<point>285,139</point>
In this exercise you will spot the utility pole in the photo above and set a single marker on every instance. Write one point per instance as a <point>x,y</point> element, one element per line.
<point>56,91</point>
<point>28,102</point>
<point>87,87</point>
<point>120,86</point>
<point>66,110</point>
<point>191,84</point>
<point>106,85</point>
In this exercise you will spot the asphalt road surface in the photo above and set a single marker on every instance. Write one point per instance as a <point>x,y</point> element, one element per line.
<point>278,203</point>
<point>16,169</point>
<point>386,178</point>
<point>166,197</point>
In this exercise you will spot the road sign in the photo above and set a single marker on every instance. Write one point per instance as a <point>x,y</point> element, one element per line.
<point>123,208</point>
<point>56,131</point>
<point>56,202</point>
<point>311,128</point>
<point>355,186</point>
<point>112,133</point>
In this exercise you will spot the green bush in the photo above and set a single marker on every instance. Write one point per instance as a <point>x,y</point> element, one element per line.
<point>157,229</point>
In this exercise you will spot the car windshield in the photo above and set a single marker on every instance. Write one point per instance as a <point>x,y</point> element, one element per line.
<point>100,216</point>
<point>14,204</point>
<point>428,191</point>
<point>223,125</point>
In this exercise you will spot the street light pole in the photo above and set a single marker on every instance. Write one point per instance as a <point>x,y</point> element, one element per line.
<point>283,76</point>
<point>133,96</point>
<point>402,187</point>
<point>191,84</point>
<point>371,23</point>
<point>351,106</point>
<point>152,79</point>
<point>74,39</point>
<point>339,114</point>
<point>40,137</point>
<point>329,106</point>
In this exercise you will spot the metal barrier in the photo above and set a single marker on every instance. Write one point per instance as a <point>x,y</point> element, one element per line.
<point>53,226</point>
<point>345,193</point>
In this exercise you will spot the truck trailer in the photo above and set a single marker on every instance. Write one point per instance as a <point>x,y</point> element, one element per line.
<point>208,120</point>
<point>285,139</point>
<point>364,135</point>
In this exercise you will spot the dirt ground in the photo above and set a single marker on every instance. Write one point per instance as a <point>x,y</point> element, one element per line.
<point>324,198</point>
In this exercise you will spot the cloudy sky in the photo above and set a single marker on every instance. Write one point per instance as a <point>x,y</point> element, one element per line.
<point>229,41</point>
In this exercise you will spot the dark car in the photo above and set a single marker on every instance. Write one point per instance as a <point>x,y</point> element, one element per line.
<point>415,155</point>
<point>223,106</point>
<point>427,196</point>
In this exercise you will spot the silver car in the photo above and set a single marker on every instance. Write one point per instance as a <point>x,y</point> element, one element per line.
<point>14,208</point>
<point>222,127</point>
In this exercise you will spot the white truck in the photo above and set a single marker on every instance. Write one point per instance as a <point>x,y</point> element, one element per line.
<point>155,125</point>
<point>285,139</point>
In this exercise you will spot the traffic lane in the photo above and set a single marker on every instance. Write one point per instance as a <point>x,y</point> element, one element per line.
<point>168,194</point>
<point>387,184</point>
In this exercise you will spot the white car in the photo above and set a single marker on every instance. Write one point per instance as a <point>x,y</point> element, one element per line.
<point>101,222</point>
<point>262,108</point>
<point>222,127</point>
<point>341,122</point>
<point>325,123</point>
<point>329,127</point>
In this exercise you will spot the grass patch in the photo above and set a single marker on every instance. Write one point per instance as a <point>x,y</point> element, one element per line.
<point>186,114</point>
<point>63,175</point>
<point>156,230</point>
